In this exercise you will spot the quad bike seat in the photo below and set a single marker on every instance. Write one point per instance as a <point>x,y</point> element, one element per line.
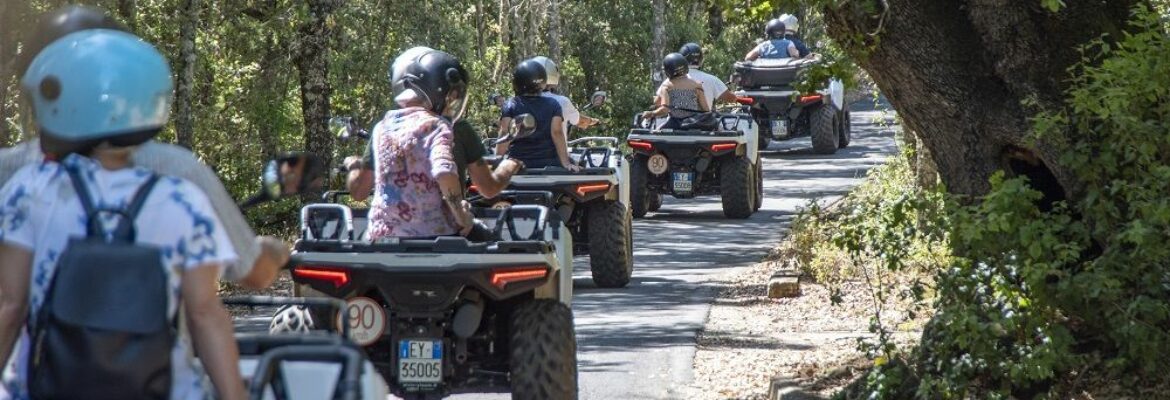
<point>770,73</point>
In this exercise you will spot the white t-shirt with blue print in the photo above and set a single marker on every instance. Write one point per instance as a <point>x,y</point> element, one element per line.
<point>40,211</point>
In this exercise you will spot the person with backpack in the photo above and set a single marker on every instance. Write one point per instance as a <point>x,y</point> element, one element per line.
<point>260,257</point>
<point>108,271</point>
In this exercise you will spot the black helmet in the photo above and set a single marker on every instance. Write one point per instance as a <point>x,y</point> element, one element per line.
<point>431,73</point>
<point>774,29</point>
<point>675,65</point>
<point>61,22</point>
<point>529,78</point>
<point>693,52</point>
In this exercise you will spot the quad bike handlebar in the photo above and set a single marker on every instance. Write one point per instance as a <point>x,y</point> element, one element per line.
<point>270,374</point>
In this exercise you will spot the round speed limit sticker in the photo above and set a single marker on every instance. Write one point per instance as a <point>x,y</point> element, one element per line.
<point>657,164</point>
<point>366,319</point>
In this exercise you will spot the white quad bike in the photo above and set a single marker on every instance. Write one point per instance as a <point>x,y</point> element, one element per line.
<point>446,315</point>
<point>594,203</point>
<point>784,113</point>
<point>687,163</point>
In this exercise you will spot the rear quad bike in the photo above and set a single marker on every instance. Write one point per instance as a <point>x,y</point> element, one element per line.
<point>782,112</point>
<point>448,315</point>
<point>594,203</point>
<point>689,163</point>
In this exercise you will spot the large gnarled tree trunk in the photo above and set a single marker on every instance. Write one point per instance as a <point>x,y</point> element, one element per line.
<point>958,71</point>
<point>312,60</point>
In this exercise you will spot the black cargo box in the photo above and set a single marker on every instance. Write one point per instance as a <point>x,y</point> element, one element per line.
<point>769,73</point>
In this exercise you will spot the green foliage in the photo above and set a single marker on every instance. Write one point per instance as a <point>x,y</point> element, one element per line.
<point>1038,292</point>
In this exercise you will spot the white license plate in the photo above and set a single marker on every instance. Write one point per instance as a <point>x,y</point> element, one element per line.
<point>683,182</point>
<point>420,361</point>
<point>779,128</point>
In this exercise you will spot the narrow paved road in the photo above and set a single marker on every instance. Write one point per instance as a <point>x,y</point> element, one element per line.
<point>639,342</point>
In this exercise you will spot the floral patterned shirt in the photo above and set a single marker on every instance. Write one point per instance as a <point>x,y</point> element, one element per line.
<point>40,211</point>
<point>411,149</point>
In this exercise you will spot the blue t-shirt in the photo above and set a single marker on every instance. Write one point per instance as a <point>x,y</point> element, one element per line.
<point>774,48</point>
<point>538,149</point>
<point>800,46</point>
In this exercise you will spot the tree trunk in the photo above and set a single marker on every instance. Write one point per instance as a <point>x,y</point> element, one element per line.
<point>958,71</point>
<point>312,60</point>
<point>505,41</point>
<point>128,10</point>
<point>479,29</point>
<point>714,20</point>
<point>658,32</point>
<point>554,30</point>
<point>184,91</point>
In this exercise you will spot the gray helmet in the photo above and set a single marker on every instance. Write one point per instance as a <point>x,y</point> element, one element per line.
<point>775,29</point>
<point>693,52</point>
<point>791,24</point>
<point>552,74</point>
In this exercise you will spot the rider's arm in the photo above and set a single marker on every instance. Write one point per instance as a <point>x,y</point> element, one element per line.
<point>490,183</point>
<point>727,97</point>
<point>792,51</point>
<point>505,124</point>
<point>443,172</point>
<point>260,258</point>
<point>562,144</point>
<point>360,180</point>
<point>211,330</point>
<point>702,97</point>
<point>753,55</point>
<point>15,268</point>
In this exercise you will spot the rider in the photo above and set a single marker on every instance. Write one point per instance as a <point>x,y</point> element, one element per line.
<point>548,145</point>
<point>569,111</point>
<point>791,27</point>
<point>93,108</point>
<point>775,46</point>
<point>713,87</point>
<point>417,191</point>
<point>260,257</point>
<point>679,96</point>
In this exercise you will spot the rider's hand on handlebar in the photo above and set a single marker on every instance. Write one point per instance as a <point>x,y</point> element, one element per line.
<point>570,166</point>
<point>512,166</point>
<point>352,162</point>
<point>465,220</point>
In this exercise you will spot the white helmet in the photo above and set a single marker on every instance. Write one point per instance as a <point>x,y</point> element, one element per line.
<point>791,24</point>
<point>291,319</point>
<point>552,73</point>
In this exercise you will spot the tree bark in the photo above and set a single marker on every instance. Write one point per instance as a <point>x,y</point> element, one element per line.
<point>184,92</point>
<point>554,30</point>
<point>312,60</point>
<point>714,20</point>
<point>505,40</point>
<point>658,31</point>
<point>128,10</point>
<point>958,71</point>
<point>479,29</point>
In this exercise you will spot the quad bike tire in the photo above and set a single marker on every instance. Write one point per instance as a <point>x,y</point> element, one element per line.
<point>610,244</point>
<point>846,130</point>
<point>736,186</point>
<point>639,194</point>
<point>655,202</point>
<point>543,351</point>
<point>824,128</point>
<point>759,186</point>
<point>764,127</point>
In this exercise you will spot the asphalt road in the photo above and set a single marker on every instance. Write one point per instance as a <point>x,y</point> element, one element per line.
<point>639,342</point>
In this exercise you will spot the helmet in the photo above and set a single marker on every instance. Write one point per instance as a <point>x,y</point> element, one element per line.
<point>61,22</point>
<point>693,52</point>
<point>791,24</point>
<point>774,29</point>
<point>98,85</point>
<point>529,78</point>
<point>551,72</point>
<point>430,73</point>
<point>291,319</point>
<point>675,65</point>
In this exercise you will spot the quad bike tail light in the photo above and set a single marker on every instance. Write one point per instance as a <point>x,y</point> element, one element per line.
<point>747,101</point>
<point>718,147</point>
<point>640,145</point>
<point>587,188</point>
<point>811,98</point>
<point>501,277</point>
<point>336,277</point>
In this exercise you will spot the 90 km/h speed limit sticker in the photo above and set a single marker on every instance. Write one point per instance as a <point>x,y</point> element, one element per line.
<point>366,319</point>
<point>657,164</point>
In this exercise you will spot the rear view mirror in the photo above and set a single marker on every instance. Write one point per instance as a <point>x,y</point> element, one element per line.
<point>598,98</point>
<point>342,127</point>
<point>522,126</point>
<point>497,100</point>
<point>293,174</point>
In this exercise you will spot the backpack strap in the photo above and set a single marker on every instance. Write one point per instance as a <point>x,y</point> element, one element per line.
<point>125,229</point>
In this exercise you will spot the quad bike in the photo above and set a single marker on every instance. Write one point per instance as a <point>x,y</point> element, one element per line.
<point>447,315</point>
<point>593,202</point>
<point>784,113</point>
<point>686,163</point>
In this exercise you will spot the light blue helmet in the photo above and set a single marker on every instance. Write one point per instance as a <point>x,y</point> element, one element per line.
<point>98,85</point>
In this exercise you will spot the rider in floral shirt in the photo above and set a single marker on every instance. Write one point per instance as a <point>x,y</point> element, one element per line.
<point>409,165</point>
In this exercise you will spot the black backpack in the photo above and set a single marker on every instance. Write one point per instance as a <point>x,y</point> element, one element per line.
<point>102,331</point>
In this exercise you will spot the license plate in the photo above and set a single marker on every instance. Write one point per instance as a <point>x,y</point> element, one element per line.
<point>779,128</point>
<point>420,361</point>
<point>683,182</point>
